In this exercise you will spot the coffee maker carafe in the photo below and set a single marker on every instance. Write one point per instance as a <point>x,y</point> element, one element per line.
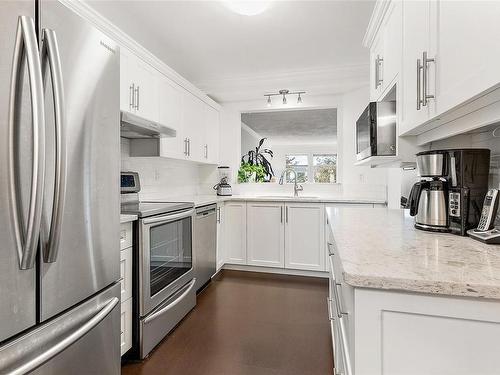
<point>427,202</point>
<point>449,197</point>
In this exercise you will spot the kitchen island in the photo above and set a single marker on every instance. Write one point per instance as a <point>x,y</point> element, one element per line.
<point>404,301</point>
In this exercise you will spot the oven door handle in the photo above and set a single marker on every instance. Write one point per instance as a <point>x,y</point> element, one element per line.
<point>171,305</point>
<point>167,218</point>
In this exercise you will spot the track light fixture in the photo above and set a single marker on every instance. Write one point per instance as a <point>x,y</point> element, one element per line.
<point>284,93</point>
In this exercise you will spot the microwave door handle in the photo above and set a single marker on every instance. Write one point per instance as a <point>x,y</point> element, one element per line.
<point>26,46</point>
<point>168,218</point>
<point>51,56</point>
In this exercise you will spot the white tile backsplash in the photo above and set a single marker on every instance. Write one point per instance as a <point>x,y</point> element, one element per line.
<point>489,137</point>
<point>168,178</point>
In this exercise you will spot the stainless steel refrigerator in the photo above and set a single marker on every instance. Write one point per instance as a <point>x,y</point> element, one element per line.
<point>59,193</point>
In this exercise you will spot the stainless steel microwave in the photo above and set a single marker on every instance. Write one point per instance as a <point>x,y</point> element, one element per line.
<point>376,130</point>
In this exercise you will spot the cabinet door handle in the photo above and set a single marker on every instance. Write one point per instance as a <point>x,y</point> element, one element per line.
<point>218,215</point>
<point>378,80</point>
<point>137,92</point>
<point>419,69</point>
<point>425,63</point>
<point>281,215</point>
<point>286,214</point>
<point>132,96</point>
<point>185,147</point>
<point>206,151</point>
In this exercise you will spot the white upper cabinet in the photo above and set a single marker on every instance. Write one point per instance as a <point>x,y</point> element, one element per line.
<point>392,37</point>
<point>265,234</point>
<point>138,86</point>
<point>305,236</point>
<point>376,69</point>
<point>126,88</point>
<point>385,53</point>
<point>212,134</point>
<point>447,73</point>
<point>170,102</point>
<point>194,127</point>
<point>146,92</point>
<point>467,47</point>
<point>415,43</point>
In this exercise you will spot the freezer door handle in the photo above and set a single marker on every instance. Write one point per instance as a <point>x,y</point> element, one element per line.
<point>13,359</point>
<point>26,48</point>
<point>50,55</point>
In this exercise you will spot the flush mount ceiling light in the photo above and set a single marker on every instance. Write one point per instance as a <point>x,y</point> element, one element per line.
<point>284,93</point>
<point>247,8</point>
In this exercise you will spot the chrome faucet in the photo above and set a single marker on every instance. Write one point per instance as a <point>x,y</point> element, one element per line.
<point>296,187</point>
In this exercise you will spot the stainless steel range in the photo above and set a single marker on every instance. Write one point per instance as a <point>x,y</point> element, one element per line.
<point>163,264</point>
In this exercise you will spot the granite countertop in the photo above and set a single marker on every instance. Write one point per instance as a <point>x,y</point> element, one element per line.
<point>202,200</point>
<point>380,248</point>
<point>127,218</point>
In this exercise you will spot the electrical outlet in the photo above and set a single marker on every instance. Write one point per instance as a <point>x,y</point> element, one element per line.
<point>361,178</point>
<point>157,175</point>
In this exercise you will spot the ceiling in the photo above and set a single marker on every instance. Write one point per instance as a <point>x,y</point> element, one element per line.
<point>307,45</point>
<point>294,127</point>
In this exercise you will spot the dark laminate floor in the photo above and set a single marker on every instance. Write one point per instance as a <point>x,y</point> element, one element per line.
<point>247,323</point>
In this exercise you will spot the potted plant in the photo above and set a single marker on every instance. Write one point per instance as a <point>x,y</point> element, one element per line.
<point>251,173</point>
<point>256,161</point>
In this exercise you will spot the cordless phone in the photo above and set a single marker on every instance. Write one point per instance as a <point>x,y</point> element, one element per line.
<point>489,212</point>
<point>485,231</point>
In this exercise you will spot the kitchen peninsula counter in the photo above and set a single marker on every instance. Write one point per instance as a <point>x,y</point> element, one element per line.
<point>380,248</point>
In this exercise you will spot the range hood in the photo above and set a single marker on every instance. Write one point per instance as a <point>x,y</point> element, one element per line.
<point>133,127</point>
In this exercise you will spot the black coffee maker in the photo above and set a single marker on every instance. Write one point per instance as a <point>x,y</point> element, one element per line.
<point>458,184</point>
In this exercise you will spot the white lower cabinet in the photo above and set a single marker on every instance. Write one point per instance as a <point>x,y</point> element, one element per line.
<point>305,236</point>
<point>126,273</point>
<point>126,326</point>
<point>382,332</point>
<point>274,234</point>
<point>235,232</point>
<point>221,214</point>
<point>265,234</point>
<point>126,286</point>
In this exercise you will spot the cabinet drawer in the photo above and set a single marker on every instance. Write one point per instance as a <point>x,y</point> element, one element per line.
<point>125,235</point>
<point>126,273</point>
<point>126,326</point>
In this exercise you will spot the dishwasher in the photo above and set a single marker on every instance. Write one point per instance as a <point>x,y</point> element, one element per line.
<point>205,245</point>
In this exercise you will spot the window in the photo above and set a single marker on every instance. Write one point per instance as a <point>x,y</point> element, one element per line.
<point>325,168</point>
<point>300,164</point>
<point>312,168</point>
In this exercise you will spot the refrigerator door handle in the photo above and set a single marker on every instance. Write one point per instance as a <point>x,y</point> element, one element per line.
<point>26,47</point>
<point>50,55</point>
<point>13,361</point>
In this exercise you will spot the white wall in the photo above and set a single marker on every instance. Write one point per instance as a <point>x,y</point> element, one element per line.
<point>249,139</point>
<point>163,178</point>
<point>356,182</point>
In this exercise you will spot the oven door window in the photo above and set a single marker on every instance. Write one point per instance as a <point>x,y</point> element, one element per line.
<point>170,253</point>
